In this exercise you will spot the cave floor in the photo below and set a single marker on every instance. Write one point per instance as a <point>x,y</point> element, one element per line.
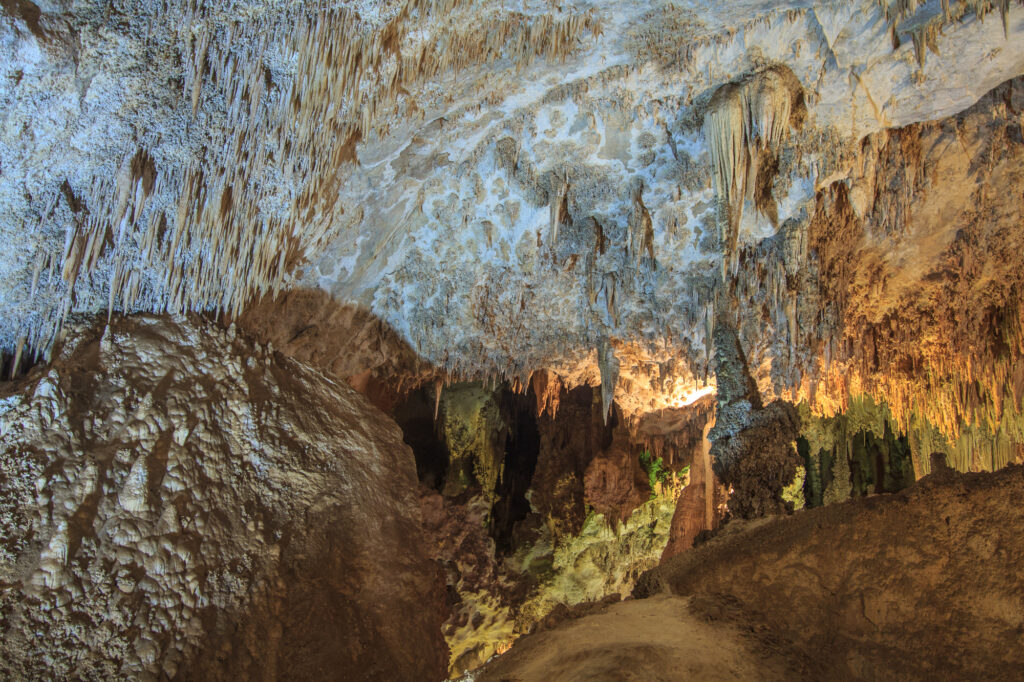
<point>660,638</point>
<point>926,583</point>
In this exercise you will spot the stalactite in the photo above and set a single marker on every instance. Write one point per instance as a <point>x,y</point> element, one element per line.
<point>348,79</point>
<point>608,284</point>
<point>559,212</point>
<point>924,24</point>
<point>641,228</point>
<point>547,389</point>
<point>744,119</point>
<point>437,397</point>
<point>609,367</point>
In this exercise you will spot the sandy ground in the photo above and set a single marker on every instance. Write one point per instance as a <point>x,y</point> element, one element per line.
<point>660,638</point>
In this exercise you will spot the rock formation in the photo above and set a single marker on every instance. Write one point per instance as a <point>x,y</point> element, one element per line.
<point>702,504</point>
<point>173,507</point>
<point>366,338</point>
<point>530,510</point>
<point>508,191</point>
<point>752,445</point>
<point>901,587</point>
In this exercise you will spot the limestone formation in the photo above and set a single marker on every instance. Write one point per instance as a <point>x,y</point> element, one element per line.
<point>744,126</point>
<point>530,511</point>
<point>752,445</point>
<point>363,338</point>
<point>173,507</point>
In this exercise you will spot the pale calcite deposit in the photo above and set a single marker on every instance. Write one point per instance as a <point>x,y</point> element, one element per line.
<point>510,187</point>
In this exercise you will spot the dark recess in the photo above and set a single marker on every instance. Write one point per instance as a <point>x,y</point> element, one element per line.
<point>415,417</point>
<point>522,445</point>
<point>877,465</point>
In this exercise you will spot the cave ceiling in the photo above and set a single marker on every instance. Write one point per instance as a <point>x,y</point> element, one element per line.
<point>506,186</point>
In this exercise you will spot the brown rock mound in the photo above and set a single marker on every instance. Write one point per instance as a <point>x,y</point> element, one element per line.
<point>923,584</point>
<point>176,502</point>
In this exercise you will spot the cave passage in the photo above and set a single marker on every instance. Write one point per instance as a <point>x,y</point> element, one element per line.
<point>873,465</point>
<point>415,416</point>
<point>522,446</point>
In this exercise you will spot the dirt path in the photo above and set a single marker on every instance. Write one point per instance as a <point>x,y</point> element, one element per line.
<point>648,639</point>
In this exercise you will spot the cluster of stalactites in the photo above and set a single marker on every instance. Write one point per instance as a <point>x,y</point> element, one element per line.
<point>744,119</point>
<point>923,21</point>
<point>968,406</point>
<point>670,37</point>
<point>973,447</point>
<point>211,235</point>
<point>962,392</point>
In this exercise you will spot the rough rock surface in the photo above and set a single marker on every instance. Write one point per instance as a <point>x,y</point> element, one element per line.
<point>752,445</point>
<point>925,583</point>
<point>345,341</point>
<point>905,284</point>
<point>175,501</point>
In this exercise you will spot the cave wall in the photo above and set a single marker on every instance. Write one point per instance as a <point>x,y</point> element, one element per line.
<point>903,285</point>
<point>178,502</point>
<point>532,502</point>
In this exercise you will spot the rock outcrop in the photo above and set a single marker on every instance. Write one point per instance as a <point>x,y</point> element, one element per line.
<point>753,446</point>
<point>904,586</point>
<point>177,502</point>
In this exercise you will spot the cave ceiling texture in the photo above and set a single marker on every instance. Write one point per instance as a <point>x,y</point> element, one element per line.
<point>358,339</point>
